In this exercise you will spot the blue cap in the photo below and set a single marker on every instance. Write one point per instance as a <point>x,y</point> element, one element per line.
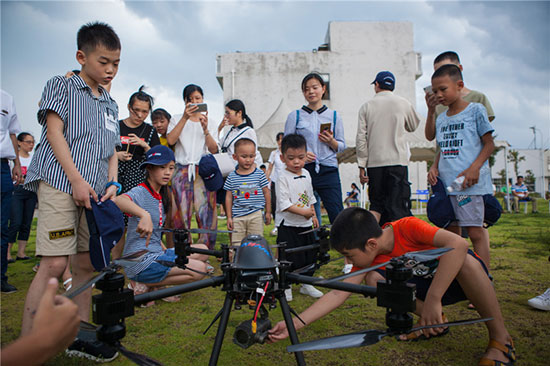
<point>210,173</point>
<point>385,78</point>
<point>493,210</point>
<point>158,155</point>
<point>106,226</point>
<point>440,210</point>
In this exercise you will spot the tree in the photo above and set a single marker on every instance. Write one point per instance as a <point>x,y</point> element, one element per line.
<point>502,174</point>
<point>515,158</point>
<point>492,158</point>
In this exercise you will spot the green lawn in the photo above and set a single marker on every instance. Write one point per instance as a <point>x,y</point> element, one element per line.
<point>172,332</point>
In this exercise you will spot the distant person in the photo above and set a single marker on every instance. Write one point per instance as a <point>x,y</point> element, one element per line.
<point>276,165</point>
<point>353,195</point>
<point>247,194</point>
<point>23,202</point>
<point>76,159</point>
<point>382,151</point>
<point>191,133</point>
<point>295,211</point>
<point>323,130</point>
<point>521,194</point>
<point>508,197</point>
<point>465,138</point>
<point>161,118</point>
<point>9,128</point>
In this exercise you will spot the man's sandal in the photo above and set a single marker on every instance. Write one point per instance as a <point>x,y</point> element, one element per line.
<point>508,350</point>
<point>419,336</point>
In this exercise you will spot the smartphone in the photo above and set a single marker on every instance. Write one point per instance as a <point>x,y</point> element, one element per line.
<point>202,107</point>
<point>428,89</point>
<point>325,127</point>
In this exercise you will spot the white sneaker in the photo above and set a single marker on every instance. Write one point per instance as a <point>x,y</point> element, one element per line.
<point>288,294</point>
<point>541,302</point>
<point>273,232</point>
<point>347,268</point>
<point>310,291</point>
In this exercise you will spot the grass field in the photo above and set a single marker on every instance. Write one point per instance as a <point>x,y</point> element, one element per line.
<point>172,332</point>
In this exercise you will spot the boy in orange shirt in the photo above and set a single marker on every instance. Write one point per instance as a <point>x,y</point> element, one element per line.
<point>460,275</point>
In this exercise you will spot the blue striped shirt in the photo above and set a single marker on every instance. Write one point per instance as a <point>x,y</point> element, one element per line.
<point>90,128</point>
<point>246,190</point>
<point>151,202</point>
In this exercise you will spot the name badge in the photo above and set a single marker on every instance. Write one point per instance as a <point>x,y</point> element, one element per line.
<point>110,123</point>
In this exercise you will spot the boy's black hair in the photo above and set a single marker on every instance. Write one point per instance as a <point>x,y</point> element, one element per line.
<point>262,166</point>
<point>243,141</point>
<point>293,141</point>
<point>447,55</point>
<point>352,228</point>
<point>520,177</point>
<point>160,112</point>
<point>91,35</point>
<point>143,96</point>
<point>279,135</point>
<point>450,70</point>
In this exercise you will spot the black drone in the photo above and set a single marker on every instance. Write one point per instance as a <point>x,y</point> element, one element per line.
<point>255,278</point>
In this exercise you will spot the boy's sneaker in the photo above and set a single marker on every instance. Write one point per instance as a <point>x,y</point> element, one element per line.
<point>273,232</point>
<point>93,350</point>
<point>541,302</point>
<point>347,268</point>
<point>7,288</point>
<point>310,291</point>
<point>288,294</point>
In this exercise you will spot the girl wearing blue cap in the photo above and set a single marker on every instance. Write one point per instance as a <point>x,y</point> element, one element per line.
<point>147,205</point>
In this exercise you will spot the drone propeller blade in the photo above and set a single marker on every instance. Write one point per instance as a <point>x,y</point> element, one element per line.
<point>351,274</point>
<point>307,268</point>
<point>166,263</point>
<point>315,230</point>
<point>196,231</point>
<point>450,324</point>
<point>130,258</point>
<point>426,255</point>
<point>358,339</point>
<point>78,290</point>
<point>136,358</point>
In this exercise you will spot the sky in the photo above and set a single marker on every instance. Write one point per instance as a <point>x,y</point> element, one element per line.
<point>504,48</point>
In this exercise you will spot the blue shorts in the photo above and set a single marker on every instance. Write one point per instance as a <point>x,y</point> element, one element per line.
<point>157,272</point>
<point>453,294</point>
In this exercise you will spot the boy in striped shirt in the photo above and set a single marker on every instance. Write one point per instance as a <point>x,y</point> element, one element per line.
<point>247,194</point>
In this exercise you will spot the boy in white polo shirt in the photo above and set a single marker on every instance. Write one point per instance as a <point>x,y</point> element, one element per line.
<point>295,211</point>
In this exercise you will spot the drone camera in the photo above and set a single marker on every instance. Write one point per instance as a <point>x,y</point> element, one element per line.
<point>244,335</point>
<point>114,303</point>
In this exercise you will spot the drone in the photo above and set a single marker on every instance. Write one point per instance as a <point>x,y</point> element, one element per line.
<point>255,278</point>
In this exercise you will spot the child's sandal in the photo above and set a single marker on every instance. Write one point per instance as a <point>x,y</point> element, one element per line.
<point>419,336</point>
<point>67,284</point>
<point>508,350</point>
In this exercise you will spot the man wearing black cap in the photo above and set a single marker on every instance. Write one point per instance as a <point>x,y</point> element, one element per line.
<point>382,151</point>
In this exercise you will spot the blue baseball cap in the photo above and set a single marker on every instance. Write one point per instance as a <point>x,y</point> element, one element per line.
<point>385,78</point>
<point>106,227</point>
<point>493,210</point>
<point>210,173</point>
<point>440,210</point>
<point>158,155</point>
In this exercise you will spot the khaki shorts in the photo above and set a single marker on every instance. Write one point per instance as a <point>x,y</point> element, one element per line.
<point>62,228</point>
<point>247,225</point>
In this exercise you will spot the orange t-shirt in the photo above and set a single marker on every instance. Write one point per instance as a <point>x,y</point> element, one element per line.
<point>410,235</point>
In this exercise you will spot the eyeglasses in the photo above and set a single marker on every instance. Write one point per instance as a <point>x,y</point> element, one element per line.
<point>28,141</point>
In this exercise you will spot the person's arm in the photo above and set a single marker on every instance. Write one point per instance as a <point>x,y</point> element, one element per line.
<point>361,144</point>
<point>54,328</point>
<point>16,171</point>
<point>229,208</point>
<point>145,225</point>
<point>412,120</point>
<point>173,136</point>
<point>429,129</point>
<point>81,189</point>
<point>433,173</point>
<point>110,192</point>
<point>267,196</point>
<point>471,175</point>
<point>269,171</point>
<point>327,303</point>
<point>449,265</point>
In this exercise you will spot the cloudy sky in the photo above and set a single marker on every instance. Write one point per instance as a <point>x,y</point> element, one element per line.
<point>504,47</point>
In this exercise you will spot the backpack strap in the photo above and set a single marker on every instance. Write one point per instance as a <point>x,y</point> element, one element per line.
<point>334,122</point>
<point>224,148</point>
<point>297,116</point>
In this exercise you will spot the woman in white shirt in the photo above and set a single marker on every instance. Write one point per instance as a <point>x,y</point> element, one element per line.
<point>192,135</point>
<point>276,165</point>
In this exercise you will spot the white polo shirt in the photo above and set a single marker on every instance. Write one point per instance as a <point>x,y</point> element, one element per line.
<point>293,189</point>
<point>9,125</point>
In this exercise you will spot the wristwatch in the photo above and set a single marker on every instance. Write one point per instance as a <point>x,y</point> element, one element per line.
<point>116,184</point>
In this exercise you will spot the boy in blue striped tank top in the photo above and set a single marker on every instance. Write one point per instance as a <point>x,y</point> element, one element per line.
<point>247,194</point>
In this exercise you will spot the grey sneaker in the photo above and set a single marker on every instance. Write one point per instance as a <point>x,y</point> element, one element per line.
<point>93,350</point>
<point>541,302</point>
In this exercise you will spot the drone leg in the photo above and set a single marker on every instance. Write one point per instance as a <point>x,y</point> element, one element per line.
<point>226,310</point>
<point>213,321</point>
<point>300,360</point>
<point>296,315</point>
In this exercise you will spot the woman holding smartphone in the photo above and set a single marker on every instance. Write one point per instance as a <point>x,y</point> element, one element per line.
<point>323,130</point>
<point>192,135</point>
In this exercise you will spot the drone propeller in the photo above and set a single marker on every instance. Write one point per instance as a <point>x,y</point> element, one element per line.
<point>173,264</point>
<point>197,231</point>
<point>315,230</point>
<point>136,358</point>
<point>368,337</point>
<point>420,256</point>
<point>131,258</point>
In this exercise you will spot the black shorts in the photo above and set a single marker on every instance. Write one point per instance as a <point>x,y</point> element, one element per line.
<point>390,192</point>
<point>291,236</point>
<point>453,294</point>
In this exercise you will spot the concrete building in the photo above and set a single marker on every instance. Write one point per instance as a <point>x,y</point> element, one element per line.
<point>349,59</point>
